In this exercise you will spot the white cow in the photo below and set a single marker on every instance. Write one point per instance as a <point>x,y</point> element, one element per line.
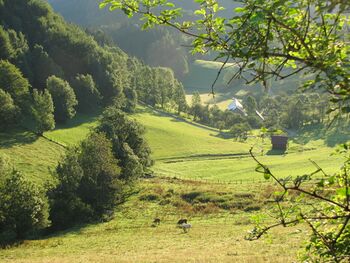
<point>185,227</point>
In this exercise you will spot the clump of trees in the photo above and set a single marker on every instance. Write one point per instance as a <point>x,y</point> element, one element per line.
<point>129,144</point>
<point>89,183</point>
<point>90,180</point>
<point>95,176</point>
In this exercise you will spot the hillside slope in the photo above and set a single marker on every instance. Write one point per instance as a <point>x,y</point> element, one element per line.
<point>180,148</point>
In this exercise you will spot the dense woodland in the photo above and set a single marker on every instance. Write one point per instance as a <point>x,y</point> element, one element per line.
<point>37,44</point>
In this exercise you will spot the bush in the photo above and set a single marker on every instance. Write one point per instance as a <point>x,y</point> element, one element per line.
<point>23,208</point>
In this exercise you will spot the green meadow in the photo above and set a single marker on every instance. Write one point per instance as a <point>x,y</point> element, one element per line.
<point>200,175</point>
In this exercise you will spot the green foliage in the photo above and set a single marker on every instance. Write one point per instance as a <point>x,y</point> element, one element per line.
<point>180,97</point>
<point>23,207</point>
<point>87,93</point>
<point>43,111</point>
<point>89,183</point>
<point>8,111</point>
<point>129,144</point>
<point>43,67</point>
<point>13,82</point>
<point>63,98</point>
<point>240,130</point>
<point>327,215</point>
<point>6,50</point>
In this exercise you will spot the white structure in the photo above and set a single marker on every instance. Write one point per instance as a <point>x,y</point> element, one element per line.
<point>236,105</point>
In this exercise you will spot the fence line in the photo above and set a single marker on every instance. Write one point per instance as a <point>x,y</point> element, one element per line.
<point>239,181</point>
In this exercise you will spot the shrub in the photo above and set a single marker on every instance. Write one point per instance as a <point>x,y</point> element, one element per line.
<point>23,208</point>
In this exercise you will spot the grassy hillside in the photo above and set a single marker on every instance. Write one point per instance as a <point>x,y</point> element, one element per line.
<point>32,155</point>
<point>221,214</point>
<point>181,148</point>
<point>170,137</point>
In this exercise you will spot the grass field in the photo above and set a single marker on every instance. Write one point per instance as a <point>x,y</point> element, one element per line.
<point>32,155</point>
<point>170,137</point>
<point>221,213</point>
<point>215,237</point>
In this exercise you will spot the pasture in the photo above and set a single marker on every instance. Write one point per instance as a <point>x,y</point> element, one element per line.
<point>216,235</point>
<point>190,160</point>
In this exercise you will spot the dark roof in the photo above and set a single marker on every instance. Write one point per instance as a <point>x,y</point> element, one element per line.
<point>279,139</point>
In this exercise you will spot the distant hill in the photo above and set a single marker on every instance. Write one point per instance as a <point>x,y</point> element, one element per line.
<point>157,47</point>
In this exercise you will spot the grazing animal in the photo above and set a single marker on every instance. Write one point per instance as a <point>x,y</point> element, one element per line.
<point>185,227</point>
<point>156,221</point>
<point>182,221</point>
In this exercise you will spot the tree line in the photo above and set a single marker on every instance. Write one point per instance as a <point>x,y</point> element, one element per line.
<point>296,111</point>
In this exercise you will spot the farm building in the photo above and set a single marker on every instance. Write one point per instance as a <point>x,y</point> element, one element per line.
<point>279,142</point>
<point>236,106</point>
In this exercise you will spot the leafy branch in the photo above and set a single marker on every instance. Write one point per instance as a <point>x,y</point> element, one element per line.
<point>328,221</point>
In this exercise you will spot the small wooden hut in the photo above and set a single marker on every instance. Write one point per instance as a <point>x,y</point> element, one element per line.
<point>279,142</point>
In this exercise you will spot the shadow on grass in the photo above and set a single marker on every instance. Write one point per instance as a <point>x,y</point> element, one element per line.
<point>331,136</point>
<point>78,120</point>
<point>223,135</point>
<point>276,152</point>
<point>16,138</point>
